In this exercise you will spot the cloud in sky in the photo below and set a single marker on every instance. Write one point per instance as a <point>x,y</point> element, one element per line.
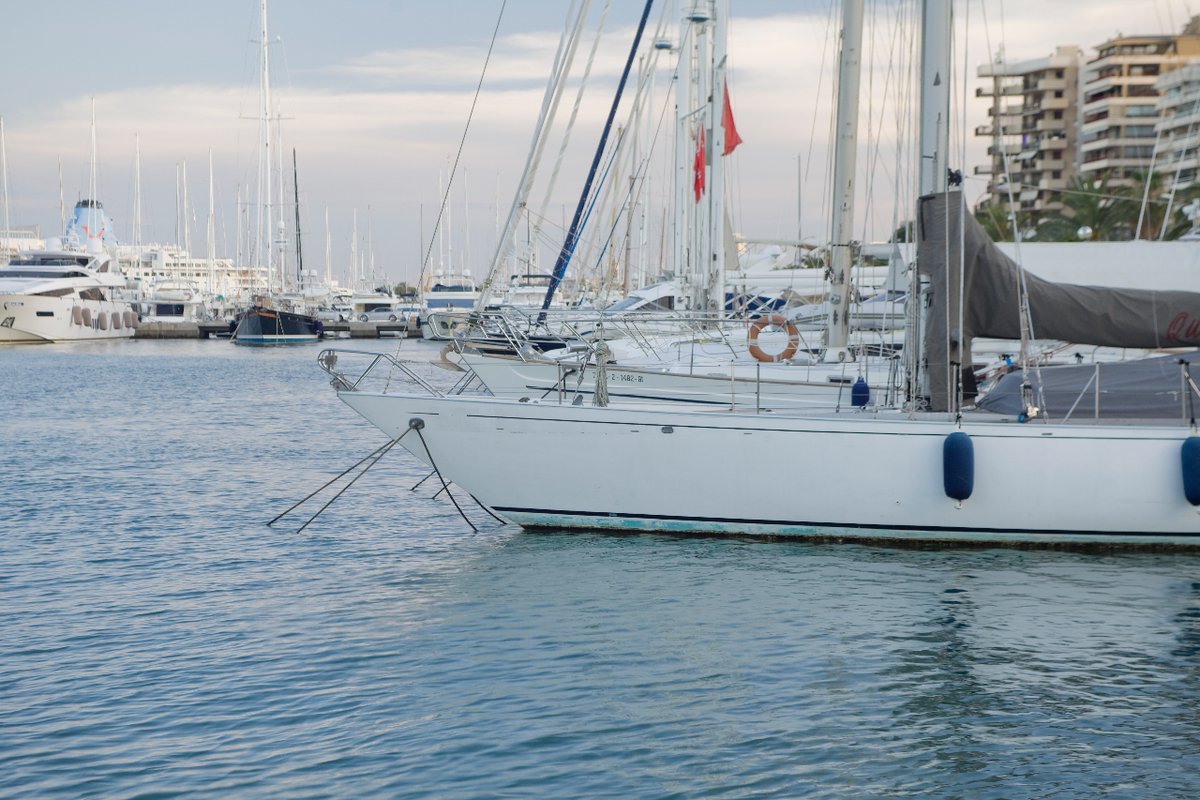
<point>377,128</point>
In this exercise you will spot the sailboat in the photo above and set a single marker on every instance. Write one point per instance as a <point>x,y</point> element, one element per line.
<point>932,468</point>
<point>272,319</point>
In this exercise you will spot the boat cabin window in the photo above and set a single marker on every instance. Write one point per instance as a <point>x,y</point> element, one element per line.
<point>91,293</point>
<point>44,273</point>
<point>49,261</point>
<point>55,292</point>
<point>447,303</point>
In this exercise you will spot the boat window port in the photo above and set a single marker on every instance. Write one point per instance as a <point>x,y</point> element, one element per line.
<point>45,313</point>
<point>55,292</point>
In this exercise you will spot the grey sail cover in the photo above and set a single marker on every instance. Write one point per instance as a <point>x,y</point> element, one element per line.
<point>1095,315</point>
<point>1149,388</point>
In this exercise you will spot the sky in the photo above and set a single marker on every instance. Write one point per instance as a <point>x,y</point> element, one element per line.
<point>375,97</point>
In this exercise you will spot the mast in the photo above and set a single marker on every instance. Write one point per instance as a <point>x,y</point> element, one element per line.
<point>568,249</point>
<point>212,230</point>
<point>328,253</point>
<point>845,147</point>
<point>187,228</point>
<point>92,160</point>
<point>716,107</point>
<point>355,278</point>
<point>62,204</point>
<point>137,189</point>
<point>264,250</point>
<point>933,142</point>
<point>4,170</point>
<point>299,253</point>
<point>563,59</point>
<point>934,139</point>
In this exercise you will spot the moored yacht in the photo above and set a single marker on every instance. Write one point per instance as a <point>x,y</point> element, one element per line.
<point>70,291</point>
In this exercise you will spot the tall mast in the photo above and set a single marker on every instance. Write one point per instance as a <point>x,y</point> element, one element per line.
<point>187,223</point>
<point>716,107</point>
<point>264,250</point>
<point>371,250</point>
<point>845,151</point>
<point>328,253</point>
<point>92,160</point>
<point>4,170</point>
<point>934,138</point>
<point>299,252</point>
<point>212,230</point>
<point>137,189</point>
<point>355,278</point>
<point>62,204</point>
<point>178,208</point>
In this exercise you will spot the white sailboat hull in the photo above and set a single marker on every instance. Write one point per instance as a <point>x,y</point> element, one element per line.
<point>841,475</point>
<point>748,385</point>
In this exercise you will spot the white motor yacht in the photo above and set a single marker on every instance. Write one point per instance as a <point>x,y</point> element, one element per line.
<point>71,291</point>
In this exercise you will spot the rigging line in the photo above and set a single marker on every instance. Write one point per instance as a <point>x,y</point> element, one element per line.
<point>560,268</point>
<point>570,127</point>
<point>639,179</point>
<point>417,485</point>
<point>326,484</point>
<point>488,510</point>
<point>1023,310</point>
<point>416,424</point>
<point>564,58</point>
<point>462,142</point>
<point>384,452</point>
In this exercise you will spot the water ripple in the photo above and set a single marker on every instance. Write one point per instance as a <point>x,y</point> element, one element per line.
<point>158,640</point>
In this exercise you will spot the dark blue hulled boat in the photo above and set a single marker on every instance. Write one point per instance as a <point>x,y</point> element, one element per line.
<point>262,325</point>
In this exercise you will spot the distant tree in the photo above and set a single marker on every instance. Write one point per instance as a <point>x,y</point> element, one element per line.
<point>907,232</point>
<point>403,289</point>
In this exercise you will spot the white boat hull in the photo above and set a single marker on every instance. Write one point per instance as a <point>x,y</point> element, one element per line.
<point>29,319</point>
<point>766,386</point>
<point>841,475</point>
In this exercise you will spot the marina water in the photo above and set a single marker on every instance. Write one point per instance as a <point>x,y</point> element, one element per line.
<point>159,640</point>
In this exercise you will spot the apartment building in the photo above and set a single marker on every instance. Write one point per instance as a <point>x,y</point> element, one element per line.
<point>1034,126</point>
<point>1177,128</point>
<point>1120,102</point>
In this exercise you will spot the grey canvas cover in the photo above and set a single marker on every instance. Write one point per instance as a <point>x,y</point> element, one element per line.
<point>1149,388</point>
<point>1139,318</point>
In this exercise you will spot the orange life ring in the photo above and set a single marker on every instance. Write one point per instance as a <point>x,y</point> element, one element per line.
<point>775,321</point>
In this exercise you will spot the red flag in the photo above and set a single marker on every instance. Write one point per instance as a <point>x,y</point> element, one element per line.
<point>698,167</point>
<point>732,139</point>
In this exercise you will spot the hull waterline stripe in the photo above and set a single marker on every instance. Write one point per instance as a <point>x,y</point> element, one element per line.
<point>830,525</point>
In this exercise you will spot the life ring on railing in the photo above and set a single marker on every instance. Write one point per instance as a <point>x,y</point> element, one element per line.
<point>773,321</point>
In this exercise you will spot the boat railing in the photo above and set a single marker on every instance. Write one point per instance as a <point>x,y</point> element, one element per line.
<point>362,370</point>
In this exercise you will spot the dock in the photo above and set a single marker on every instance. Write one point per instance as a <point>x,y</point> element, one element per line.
<point>212,330</point>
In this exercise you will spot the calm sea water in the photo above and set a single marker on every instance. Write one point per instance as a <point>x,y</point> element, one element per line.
<point>158,639</point>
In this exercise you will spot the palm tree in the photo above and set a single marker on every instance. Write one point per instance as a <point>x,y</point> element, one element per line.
<point>1091,206</point>
<point>997,222</point>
